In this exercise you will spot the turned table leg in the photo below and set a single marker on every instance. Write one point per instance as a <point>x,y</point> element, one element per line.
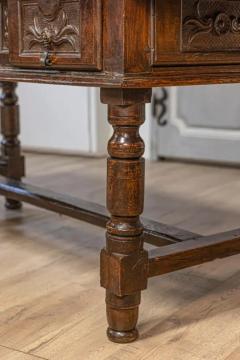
<point>124,261</point>
<point>10,145</point>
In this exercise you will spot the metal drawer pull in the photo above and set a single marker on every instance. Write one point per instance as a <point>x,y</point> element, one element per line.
<point>45,59</point>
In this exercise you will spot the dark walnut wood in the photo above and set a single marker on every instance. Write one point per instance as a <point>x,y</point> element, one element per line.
<point>98,36</point>
<point>210,26</point>
<point>10,145</point>
<point>155,233</point>
<point>124,262</point>
<point>3,32</point>
<point>194,252</point>
<point>55,33</point>
<point>125,48</point>
<point>197,32</point>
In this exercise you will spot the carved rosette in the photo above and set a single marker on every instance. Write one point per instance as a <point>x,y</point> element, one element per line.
<point>211,24</point>
<point>51,29</point>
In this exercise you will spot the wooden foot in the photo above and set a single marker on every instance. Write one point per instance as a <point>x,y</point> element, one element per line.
<point>10,145</point>
<point>124,263</point>
<point>122,316</point>
<point>122,337</point>
<point>13,204</point>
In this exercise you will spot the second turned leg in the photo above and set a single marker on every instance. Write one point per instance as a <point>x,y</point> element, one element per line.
<point>10,145</point>
<point>124,261</point>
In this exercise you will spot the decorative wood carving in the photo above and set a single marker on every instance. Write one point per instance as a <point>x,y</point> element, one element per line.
<point>210,25</point>
<point>49,9</point>
<point>56,33</point>
<point>52,26</point>
<point>4,27</point>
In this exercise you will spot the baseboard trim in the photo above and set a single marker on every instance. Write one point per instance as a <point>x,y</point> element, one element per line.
<point>63,152</point>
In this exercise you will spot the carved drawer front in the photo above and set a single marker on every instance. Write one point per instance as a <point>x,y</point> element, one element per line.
<point>204,31</point>
<point>3,31</point>
<point>55,33</point>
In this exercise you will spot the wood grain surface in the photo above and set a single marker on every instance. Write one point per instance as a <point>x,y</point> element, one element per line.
<point>134,43</point>
<point>51,306</point>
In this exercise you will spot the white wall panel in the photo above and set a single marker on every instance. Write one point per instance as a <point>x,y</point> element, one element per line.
<point>62,119</point>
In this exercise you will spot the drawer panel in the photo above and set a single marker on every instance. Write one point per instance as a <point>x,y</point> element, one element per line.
<point>201,31</point>
<point>210,25</point>
<point>57,33</point>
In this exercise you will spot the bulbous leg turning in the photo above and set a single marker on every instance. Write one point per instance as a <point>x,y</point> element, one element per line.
<point>10,145</point>
<point>124,261</point>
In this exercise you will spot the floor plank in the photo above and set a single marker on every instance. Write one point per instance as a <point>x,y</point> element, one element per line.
<point>51,305</point>
<point>9,354</point>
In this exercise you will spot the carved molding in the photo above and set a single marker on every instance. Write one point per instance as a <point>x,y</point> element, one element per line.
<point>215,23</point>
<point>51,28</point>
<point>4,27</point>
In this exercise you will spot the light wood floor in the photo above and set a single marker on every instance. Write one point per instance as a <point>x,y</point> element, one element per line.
<point>51,305</point>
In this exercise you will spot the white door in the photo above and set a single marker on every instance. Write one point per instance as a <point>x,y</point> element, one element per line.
<point>63,119</point>
<point>198,123</point>
<point>69,120</point>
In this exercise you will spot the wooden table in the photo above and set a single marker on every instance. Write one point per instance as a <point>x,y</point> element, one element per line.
<point>126,48</point>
